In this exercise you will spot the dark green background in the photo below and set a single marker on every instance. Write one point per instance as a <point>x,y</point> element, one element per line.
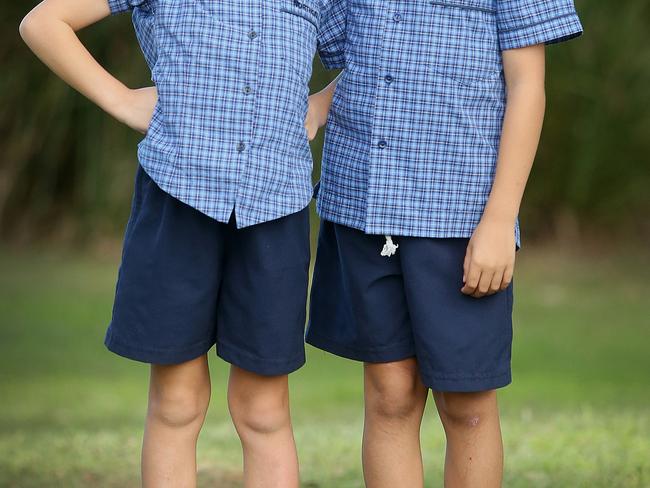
<point>66,168</point>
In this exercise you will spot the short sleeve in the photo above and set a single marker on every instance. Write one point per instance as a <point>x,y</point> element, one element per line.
<point>119,6</point>
<point>331,35</point>
<point>524,23</point>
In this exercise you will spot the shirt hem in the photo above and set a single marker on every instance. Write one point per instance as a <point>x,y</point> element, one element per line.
<point>221,216</point>
<point>464,230</point>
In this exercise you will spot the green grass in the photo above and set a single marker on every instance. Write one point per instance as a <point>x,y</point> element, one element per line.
<point>577,414</point>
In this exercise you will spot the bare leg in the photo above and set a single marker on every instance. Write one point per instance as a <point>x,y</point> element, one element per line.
<point>259,407</point>
<point>394,403</point>
<point>178,400</point>
<point>474,447</point>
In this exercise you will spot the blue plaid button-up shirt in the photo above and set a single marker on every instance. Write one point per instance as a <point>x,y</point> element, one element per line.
<point>227,133</point>
<point>414,129</point>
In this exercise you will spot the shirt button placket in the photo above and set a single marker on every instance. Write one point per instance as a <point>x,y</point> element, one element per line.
<point>244,147</point>
<point>379,154</point>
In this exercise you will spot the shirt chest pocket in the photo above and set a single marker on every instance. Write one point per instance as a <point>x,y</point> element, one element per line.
<point>197,29</point>
<point>463,43</point>
<point>291,27</point>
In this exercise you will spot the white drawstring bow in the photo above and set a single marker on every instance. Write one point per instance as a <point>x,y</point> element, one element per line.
<point>389,248</point>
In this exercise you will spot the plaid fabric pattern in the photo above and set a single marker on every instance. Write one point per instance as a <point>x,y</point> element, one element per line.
<point>414,130</point>
<point>228,131</point>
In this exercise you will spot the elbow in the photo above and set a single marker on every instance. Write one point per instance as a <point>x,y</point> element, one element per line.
<point>25,27</point>
<point>28,27</point>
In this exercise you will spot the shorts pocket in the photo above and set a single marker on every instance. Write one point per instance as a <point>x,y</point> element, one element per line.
<point>138,190</point>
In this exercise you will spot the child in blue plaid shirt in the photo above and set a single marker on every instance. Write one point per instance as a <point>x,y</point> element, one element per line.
<point>217,247</point>
<point>431,135</point>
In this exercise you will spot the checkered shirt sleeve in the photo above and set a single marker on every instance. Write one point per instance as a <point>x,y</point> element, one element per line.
<point>524,23</point>
<point>331,35</point>
<point>119,6</point>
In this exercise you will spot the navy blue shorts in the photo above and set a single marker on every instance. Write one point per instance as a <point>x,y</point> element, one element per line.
<point>372,308</point>
<point>188,282</point>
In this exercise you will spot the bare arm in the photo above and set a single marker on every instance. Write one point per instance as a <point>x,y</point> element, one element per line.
<point>50,32</point>
<point>319,107</point>
<point>490,259</point>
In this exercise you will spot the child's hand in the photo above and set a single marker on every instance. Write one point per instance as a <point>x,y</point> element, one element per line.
<point>316,114</point>
<point>490,258</point>
<point>136,108</point>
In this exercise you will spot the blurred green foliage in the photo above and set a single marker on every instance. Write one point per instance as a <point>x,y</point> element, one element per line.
<point>66,168</point>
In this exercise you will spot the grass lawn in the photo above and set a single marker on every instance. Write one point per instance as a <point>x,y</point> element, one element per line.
<point>577,414</point>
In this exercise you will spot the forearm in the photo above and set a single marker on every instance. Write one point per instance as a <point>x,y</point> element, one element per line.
<point>50,34</point>
<point>322,100</point>
<point>521,131</point>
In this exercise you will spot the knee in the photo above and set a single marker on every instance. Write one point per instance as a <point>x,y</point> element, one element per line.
<point>466,410</point>
<point>178,406</point>
<point>395,397</point>
<point>259,414</point>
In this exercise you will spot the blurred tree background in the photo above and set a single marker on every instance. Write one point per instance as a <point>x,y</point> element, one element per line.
<point>66,168</point>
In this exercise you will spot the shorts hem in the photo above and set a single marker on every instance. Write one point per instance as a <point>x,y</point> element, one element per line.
<point>384,355</point>
<point>265,367</point>
<point>154,356</point>
<point>469,384</point>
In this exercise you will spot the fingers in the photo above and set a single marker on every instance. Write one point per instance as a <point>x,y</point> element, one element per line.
<point>472,279</point>
<point>507,277</point>
<point>480,281</point>
<point>484,277</point>
<point>484,284</point>
<point>466,263</point>
<point>497,279</point>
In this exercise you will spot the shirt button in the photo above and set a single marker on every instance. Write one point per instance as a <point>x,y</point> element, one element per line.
<point>388,79</point>
<point>241,147</point>
<point>397,17</point>
<point>247,89</point>
<point>382,144</point>
<point>252,34</point>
